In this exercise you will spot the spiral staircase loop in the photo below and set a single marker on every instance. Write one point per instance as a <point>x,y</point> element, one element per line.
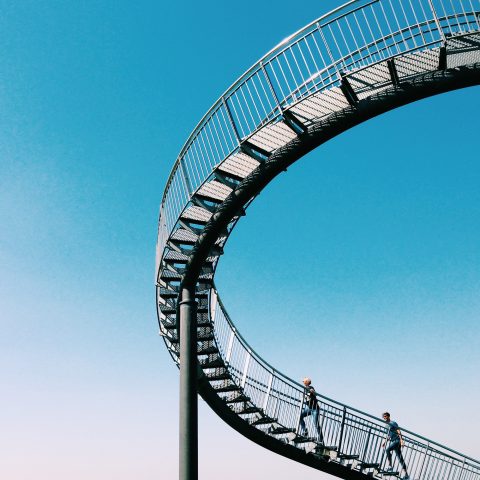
<point>356,62</point>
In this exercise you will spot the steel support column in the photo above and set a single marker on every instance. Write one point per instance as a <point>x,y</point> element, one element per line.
<point>188,386</point>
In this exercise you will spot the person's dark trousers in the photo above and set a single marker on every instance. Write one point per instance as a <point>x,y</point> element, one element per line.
<point>395,447</point>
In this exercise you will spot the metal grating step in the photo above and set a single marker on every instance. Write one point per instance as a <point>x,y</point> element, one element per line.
<point>227,388</point>
<point>280,430</point>
<point>196,214</point>
<point>249,410</point>
<point>175,257</point>
<point>273,136</point>
<point>236,398</point>
<point>345,456</point>
<point>183,236</point>
<point>238,165</point>
<point>321,104</point>
<point>265,420</point>
<point>369,77</point>
<point>212,363</point>
<point>418,62</point>
<point>214,191</point>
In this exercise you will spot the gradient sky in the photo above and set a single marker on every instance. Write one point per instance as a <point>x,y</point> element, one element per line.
<point>362,262</point>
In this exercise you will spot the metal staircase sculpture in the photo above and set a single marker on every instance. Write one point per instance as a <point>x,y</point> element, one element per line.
<point>358,61</point>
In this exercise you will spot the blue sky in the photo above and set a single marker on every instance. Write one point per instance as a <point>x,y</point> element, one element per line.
<point>362,261</point>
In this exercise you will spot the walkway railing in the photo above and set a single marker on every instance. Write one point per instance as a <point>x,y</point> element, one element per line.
<point>352,37</point>
<point>352,53</point>
<point>353,432</point>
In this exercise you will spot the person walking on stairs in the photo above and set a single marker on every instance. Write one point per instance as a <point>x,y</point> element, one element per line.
<point>310,407</point>
<point>394,443</point>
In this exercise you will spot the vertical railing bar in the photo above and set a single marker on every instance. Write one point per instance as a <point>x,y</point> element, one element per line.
<point>306,64</point>
<point>185,176</point>
<point>298,66</point>
<point>230,347</point>
<point>476,17</point>
<point>348,54</point>
<point>425,19</point>
<point>342,426</point>
<point>267,393</point>
<point>412,36</point>
<point>218,120</point>
<point>324,64</point>
<point>232,140</point>
<point>290,68</point>
<point>209,147</point>
<point>232,123</point>
<point>215,139</point>
<point>197,164</point>
<point>265,113</point>
<point>336,44</point>
<point>234,97</point>
<point>208,158</point>
<point>398,25</point>
<point>424,460</point>
<point>418,23</point>
<point>445,15</point>
<point>392,35</point>
<point>322,36</point>
<point>454,14</point>
<point>272,91</point>
<point>387,47</point>
<point>284,76</point>
<point>378,52</point>
<point>276,78</point>
<point>311,53</point>
<point>248,107</point>
<point>363,59</point>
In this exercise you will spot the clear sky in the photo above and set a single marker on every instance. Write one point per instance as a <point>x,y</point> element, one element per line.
<point>360,267</point>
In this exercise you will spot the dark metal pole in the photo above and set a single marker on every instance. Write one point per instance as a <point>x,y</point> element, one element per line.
<point>188,386</point>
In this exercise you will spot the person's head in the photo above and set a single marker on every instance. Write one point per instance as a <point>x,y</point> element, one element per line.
<point>307,381</point>
<point>386,416</point>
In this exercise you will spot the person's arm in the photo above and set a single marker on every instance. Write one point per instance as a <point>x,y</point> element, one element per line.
<point>402,441</point>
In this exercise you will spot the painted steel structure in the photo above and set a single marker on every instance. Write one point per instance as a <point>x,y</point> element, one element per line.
<point>358,61</point>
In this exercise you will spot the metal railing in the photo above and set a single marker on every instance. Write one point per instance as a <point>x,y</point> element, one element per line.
<point>348,40</point>
<point>350,431</point>
<point>352,37</point>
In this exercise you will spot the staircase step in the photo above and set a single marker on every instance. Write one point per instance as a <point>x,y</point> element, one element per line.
<point>364,465</point>
<point>206,349</point>
<point>182,236</point>
<point>345,456</point>
<point>218,375</point>
<point>264,420</point>
<point>213,191</point>
<point>168,293</point>
<point>237,399</point>
<point>280,430</point>
<point>215,363</point>
<point>195,214</point>
<point>227,388</point>
<point>238,165</point>
<point>249,410</point>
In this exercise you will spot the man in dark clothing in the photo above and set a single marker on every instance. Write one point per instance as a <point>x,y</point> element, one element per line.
<point>310,407</point>
<point>394,443</point>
